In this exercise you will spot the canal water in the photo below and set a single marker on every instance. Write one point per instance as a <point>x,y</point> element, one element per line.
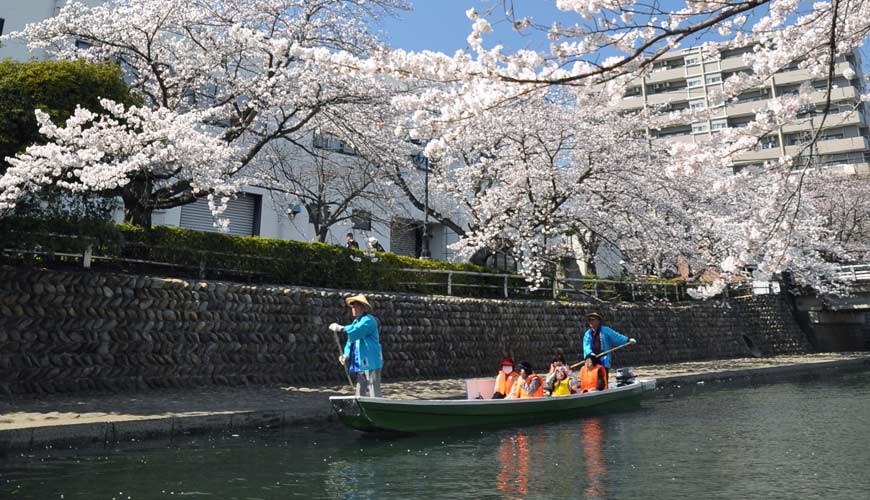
<point>806,440</point>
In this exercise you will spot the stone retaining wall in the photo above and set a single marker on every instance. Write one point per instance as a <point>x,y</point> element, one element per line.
<point>81,331</point>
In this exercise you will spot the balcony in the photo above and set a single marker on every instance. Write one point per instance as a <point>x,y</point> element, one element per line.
<point>733,64</point>
<point>746,108</point>
<point>630,103</point>
<point>802,75</point>
<point>758,155</point>
<point>666,97</point>
<point>849,168</point>
<point>666,75</point>
<point>832,120</point>
<point>684,138</point>
<point>840,94</point>
<point>834,146</point>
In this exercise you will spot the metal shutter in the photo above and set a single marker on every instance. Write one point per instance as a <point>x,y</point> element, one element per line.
<point>242,213</point>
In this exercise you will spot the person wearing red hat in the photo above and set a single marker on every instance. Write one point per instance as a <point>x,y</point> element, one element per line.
<point>505,379</point>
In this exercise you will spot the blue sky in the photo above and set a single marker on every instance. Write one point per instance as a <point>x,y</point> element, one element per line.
<point>441,25</point>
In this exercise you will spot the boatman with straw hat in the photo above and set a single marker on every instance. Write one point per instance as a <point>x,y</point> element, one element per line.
<point>600,339</point>
<point>362,351</point>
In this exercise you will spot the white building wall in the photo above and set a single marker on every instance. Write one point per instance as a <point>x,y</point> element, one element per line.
<point>20,13</point>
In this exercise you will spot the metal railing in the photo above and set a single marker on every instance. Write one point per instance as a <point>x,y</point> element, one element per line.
<point>202,264</point>
<point>597,289</point>
<point>856,272</point>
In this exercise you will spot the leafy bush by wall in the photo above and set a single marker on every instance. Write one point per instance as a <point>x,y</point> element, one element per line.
<point>181,252</point>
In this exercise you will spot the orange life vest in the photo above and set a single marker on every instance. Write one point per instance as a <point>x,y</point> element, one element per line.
<point>539,391</point>
<point>589,378</point>
<point>504,382</point>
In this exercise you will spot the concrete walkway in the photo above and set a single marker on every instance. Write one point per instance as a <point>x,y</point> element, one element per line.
<point>101,418</point>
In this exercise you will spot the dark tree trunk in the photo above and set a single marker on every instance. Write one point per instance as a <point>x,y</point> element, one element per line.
<point>137,203</point>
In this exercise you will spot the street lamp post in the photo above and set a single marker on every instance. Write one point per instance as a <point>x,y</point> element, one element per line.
<point>424,251</point>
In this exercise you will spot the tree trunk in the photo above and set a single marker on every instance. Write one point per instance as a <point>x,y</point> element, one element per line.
<point>321,233</point>
<point>137,216</point>
<point>137,203</point>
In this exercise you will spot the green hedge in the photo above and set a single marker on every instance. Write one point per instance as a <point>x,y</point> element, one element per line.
<point>186,253</point>
<point>177,252</point>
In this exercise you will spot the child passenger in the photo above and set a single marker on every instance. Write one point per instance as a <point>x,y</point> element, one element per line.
<point>592,375</point>
<point>562,383</point>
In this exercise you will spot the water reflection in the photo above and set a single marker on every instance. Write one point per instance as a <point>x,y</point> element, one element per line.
<point>592,439</point>
<point>513,455</point>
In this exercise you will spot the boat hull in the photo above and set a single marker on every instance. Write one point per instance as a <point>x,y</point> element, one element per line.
<point>415,416</point>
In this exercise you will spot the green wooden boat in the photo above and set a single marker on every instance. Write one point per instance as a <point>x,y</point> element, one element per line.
<point>426,415</point>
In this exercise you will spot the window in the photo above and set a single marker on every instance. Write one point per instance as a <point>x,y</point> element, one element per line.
<point>699,128</point>
<point>806,110</point>
<point>693,83</point>
<point>83,44</point>
<point>243,212</point>
<point>714,78</point>
<point>697,105</point>
<point>362,220</point>
<point>420,161</point>
<point>767,143</point>
<point>719,124</point>
<point>329,142</point>
<point>692,60</point>
<point>672,131</point>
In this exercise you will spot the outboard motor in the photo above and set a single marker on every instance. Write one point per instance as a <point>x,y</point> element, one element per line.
<point>624,376</point>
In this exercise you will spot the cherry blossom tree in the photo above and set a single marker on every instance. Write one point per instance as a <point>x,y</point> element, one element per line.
<point>232,75</point>
<point>672,199</point>
<point>330,180</point>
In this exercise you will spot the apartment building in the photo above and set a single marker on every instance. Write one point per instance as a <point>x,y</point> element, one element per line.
<point>683,79</point>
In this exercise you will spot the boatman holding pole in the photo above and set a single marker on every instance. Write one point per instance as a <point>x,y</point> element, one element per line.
<point>362,351</point>
<point>600,340</point>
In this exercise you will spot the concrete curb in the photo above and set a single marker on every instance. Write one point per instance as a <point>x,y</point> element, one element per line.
<point>767,374</point>
<point>172,427</point>
<point>108,433</point>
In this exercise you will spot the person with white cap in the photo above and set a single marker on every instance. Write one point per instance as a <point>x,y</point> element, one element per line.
<point>362,351</point>
<point>374,245</point>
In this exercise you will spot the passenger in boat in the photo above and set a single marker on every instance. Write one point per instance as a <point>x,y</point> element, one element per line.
<point>599,338</point>
<point>558,361</point>
<point>593,377</point>
<point>531,384</point>
<point>562,384</point>
<point>362,351</point>
<point>505,379</point>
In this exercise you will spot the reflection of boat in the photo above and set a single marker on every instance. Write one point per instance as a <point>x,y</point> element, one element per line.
<point>423,415</point>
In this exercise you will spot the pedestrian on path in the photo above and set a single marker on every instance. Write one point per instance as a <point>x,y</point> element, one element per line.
<point>350,242</point>
<point>362,351</point>
<point>599,338</point>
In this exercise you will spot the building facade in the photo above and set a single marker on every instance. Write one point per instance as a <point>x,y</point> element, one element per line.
<point>684,79</point>
<point>16,14</point>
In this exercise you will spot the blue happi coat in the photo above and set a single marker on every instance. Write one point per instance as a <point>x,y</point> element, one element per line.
<point>363,346</point>
<point>610,338</point>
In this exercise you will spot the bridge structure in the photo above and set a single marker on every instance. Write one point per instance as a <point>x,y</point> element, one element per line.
<point>839,322</point>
